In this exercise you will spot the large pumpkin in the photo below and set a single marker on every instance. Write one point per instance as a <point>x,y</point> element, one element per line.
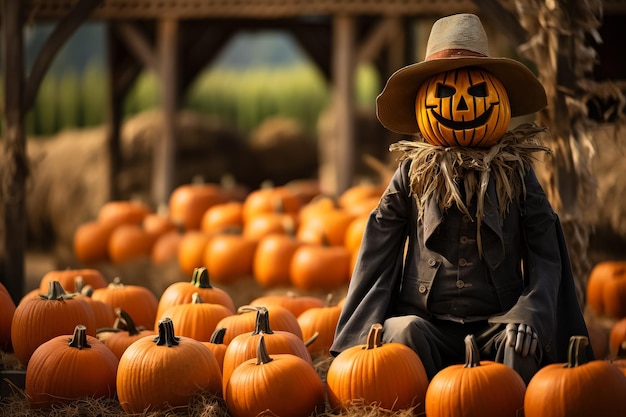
<point>463,107</point>
<point>390,375</point>
<point>606,289</point>
<point>476,388</point>
<point>577,388</point>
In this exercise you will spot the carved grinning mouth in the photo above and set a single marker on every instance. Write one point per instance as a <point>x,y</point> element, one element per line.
<point>470,124</point>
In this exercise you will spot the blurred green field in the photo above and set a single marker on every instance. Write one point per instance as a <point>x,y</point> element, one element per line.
<point>242,98</point>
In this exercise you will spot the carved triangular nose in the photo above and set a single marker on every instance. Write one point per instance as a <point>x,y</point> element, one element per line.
<point>462,104</point>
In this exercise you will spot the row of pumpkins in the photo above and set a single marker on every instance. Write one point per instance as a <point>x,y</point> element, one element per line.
<point>289,235</point>
<point>116,340</point>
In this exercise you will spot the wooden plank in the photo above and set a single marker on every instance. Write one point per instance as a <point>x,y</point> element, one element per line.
<point>15,163</point>
<point>164,161</point>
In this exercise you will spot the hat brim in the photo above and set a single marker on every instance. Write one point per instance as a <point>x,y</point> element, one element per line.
<point>395,105</point>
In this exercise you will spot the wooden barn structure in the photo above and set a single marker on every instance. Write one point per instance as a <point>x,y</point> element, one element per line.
<point>177,39</point>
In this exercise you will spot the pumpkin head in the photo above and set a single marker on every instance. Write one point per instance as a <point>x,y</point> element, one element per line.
<point>462,107</point>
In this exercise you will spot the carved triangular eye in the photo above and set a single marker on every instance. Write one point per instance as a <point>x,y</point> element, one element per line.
<point>444,91</point>
<point>478,90</point>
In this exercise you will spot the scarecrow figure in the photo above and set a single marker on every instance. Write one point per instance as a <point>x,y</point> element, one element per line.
<point>464,240</point>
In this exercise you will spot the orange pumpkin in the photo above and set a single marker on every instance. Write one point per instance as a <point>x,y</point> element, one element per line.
<point>229,258</point>
<point>354,233</point>
<point>67,279</point>
<point>390,375</point>
<point>264,385</point>
<point>243,346</point>
<point>297,304</point>
<point>463,107</point>
<point>617,336</point>
<point>137,300</point>
<point>319,324</point>
<point>606,289</point>
<point>119,212</point>
<point>328,227</point>
<point>182,292</point>
<point>191,250</point>
<point>468,389</point>
<point>128,242</point>
<point>127,332</point>
<point>271,200</point>
<point>91,242</point>
<point>264,224</point>
<point>196,319</point>
<point>217,346</point>
<point>270,265</point>
<point>165,248</point>
<point>245,321</point>
<point>39,319</point>
<point>60,372</point>
<point>222,217</point>
<point>577,388</point>
<point>157,373</point>
<point>318,267</point>
<point>189,202</point>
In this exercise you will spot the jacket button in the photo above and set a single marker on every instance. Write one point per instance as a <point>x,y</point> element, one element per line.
<point>460,284</point>
<point>462,262</point>
<point>432,262</point>
<point>464,240</point>
<point>467,218</point>
<point>422,289</point>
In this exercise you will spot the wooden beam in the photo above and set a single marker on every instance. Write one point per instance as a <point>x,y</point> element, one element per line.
<point>164,161</point>
<point>337,147</point>
<point>384,34</point>
<point>62,32</point>
<point>138,44</point>
<point>15,164</point>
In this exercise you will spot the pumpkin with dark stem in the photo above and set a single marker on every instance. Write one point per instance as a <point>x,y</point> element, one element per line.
<point>125,333</point>
<point>476,388</point>
<point>578,388</point>
<point>156,373</point>
<point>264,385</point>
<point>67,368</point>
<point>137,300</point>
<point>390,375</point>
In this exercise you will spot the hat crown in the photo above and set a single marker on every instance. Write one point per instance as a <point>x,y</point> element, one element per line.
<point>458,32</point>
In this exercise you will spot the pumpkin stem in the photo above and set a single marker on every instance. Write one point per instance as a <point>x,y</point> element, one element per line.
<point>79,338</point>
<point>262,323</point>
<point>262,357</point>
<point>218,336</point>
<point>375,336</point>
<point>128,322</point>
<point>56,292</point>
<point>576,355</point>
<point>472,354</point>
<point>196,299</point>
<point>166,333</point>
<point>247,309</point>
<point>117,282</point>
<point>311,339</point>
<point>200,278</point>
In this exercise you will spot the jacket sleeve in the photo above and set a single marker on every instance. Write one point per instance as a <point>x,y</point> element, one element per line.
<point>379,264</point>
<point>549,302</point>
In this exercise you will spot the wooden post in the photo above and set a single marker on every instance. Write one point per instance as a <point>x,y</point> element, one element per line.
<point>337,148</point>
<point>15,163</point>
<point>164,162</point>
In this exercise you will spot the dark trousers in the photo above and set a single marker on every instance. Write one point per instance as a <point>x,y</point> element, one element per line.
<point>440,343</point>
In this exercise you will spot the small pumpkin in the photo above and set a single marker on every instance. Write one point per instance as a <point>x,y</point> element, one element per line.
<point>293,302</point>
<point>245,321</point>
<point>182,292</point>
<point>119,212</point>
<point>270,265</point>
<point>137,300</point>
<point>390,375</point>
<point>229,257</point>
<point>127,332</point>
<point>191,250</point>
<point>264,385</point>
<point>165,247</point>
<point>468,389</point>
<point>243,347</point>
<point>217,346</point>
<point>223,217</point>
<point>463,107</point>
<point>606,289</point>
<point>327,227</point>
<point>196,319</point>
<point>39,319</point>
<point>617,336</point>
<point>320,267</point>
<point>128,242</point>
<point>271,200</point>
<point>189,202</point>
<point>90,242</point>
<point>156,373</point>
<point>67,279</point>
<point>319,323</point>
<point>577,388</point>
<point>67,368</point>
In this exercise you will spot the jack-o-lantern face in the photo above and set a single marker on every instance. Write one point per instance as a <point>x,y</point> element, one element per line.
<point>463,107</point>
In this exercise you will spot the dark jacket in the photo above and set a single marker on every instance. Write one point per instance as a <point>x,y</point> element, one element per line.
<point>526,255</point>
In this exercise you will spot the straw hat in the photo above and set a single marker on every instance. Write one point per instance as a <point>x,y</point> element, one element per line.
<point>456,41</point>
